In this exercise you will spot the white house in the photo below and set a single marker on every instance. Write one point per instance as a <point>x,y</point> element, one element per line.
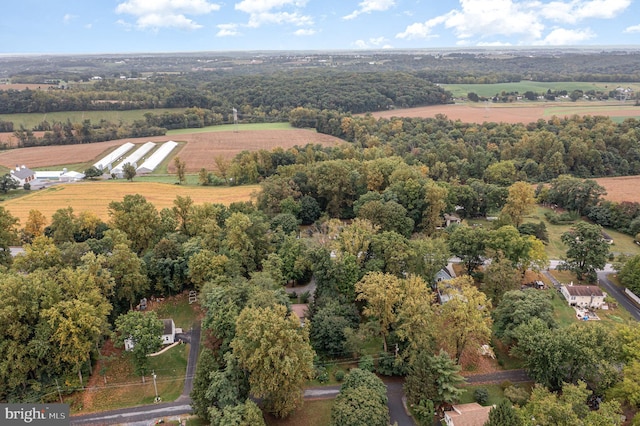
<point>586,296</point>
<point>472,414</point>
<point>169,332</point>
<point>168,335</point>
<point>23,174</point>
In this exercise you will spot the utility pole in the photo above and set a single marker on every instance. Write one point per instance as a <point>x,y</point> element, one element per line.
<point>155,386</point>
<point>59,393</point>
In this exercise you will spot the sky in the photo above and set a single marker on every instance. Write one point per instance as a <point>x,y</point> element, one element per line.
<point>135,26</point>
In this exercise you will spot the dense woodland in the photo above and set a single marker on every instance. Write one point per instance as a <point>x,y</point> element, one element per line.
<point>364,221</point>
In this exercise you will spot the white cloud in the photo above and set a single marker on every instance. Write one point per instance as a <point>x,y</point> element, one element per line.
<point>493,44</point>
<point>524,19</point>
<point>227,30</point>
<point>633,29</point>
<point>265,12</point>
<point>368,6</point>
<point>67,18</point>
<point>155,14</point>
<point>565,37</point>
<point>372,42</point>
<point>575,11</point>
<point>305,32</point>
<point>258,19</point>
<point>259,6</point>
<point>421,29</point>
<point>88,26</point>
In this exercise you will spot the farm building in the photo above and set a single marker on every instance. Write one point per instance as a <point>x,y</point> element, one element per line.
<point>133,158</point>
<point>157,157</point>
<point>63,175</point>
<point>106,162</point>
<point>23,174</point>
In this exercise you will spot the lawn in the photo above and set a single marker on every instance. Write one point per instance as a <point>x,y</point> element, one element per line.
<point>312,413</point>
<point>556,249</point>
<point>178,308</point>
<point>564,314</point>
<point>123,388</point>
<point>496,394</point>
<point>232,128</point>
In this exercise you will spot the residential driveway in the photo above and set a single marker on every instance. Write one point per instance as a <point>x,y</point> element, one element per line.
<point>513,376</point>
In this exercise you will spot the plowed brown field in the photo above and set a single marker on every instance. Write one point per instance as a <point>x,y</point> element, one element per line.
<point>198,150</point>
<point>624,188</point>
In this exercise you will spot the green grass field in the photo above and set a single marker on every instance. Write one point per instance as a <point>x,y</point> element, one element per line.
<point>312,413</point>
<point>232,128</point>
<point>30,120</point>
<point>623,244</point>
<point>488,90</point>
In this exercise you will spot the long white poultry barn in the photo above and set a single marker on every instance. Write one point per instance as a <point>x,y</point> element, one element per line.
<point>134,157</point>
<point>105,163</point>
<point>157,157</point>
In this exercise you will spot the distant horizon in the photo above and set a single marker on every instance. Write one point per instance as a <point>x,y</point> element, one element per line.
<point>78,27</point>
<point>577,48</point>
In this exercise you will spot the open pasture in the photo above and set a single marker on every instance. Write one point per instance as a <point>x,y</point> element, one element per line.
<point>489,90</point>
<point>198,151</point>
<point>520,112</point>
<point>30,120</point>
<point>96,196</point>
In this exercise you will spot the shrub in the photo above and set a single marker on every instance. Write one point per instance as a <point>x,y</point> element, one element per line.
<point>481,395</point>
<point>27,186</point>
<point>322,375</point>
<point>304,297</point>
<point>390,365</point>
<point>516,395</point>
<point>339,375</point>
<point>366,363</point>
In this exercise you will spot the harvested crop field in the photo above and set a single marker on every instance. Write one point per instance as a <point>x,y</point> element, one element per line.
<point>515,113</point>
<point>623,188</point>
<point>96,196</point>
<point>198,151</point>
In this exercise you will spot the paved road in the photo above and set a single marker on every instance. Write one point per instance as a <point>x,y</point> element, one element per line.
<point>618,294</point>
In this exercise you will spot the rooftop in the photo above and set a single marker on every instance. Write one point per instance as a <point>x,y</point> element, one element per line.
<point>584,290</point>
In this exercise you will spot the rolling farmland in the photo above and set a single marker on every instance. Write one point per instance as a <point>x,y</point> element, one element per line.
<point>96,196</point>
<point>198,149</point>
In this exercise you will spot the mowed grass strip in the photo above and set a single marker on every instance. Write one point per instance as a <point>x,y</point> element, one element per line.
<point>96,196</point>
